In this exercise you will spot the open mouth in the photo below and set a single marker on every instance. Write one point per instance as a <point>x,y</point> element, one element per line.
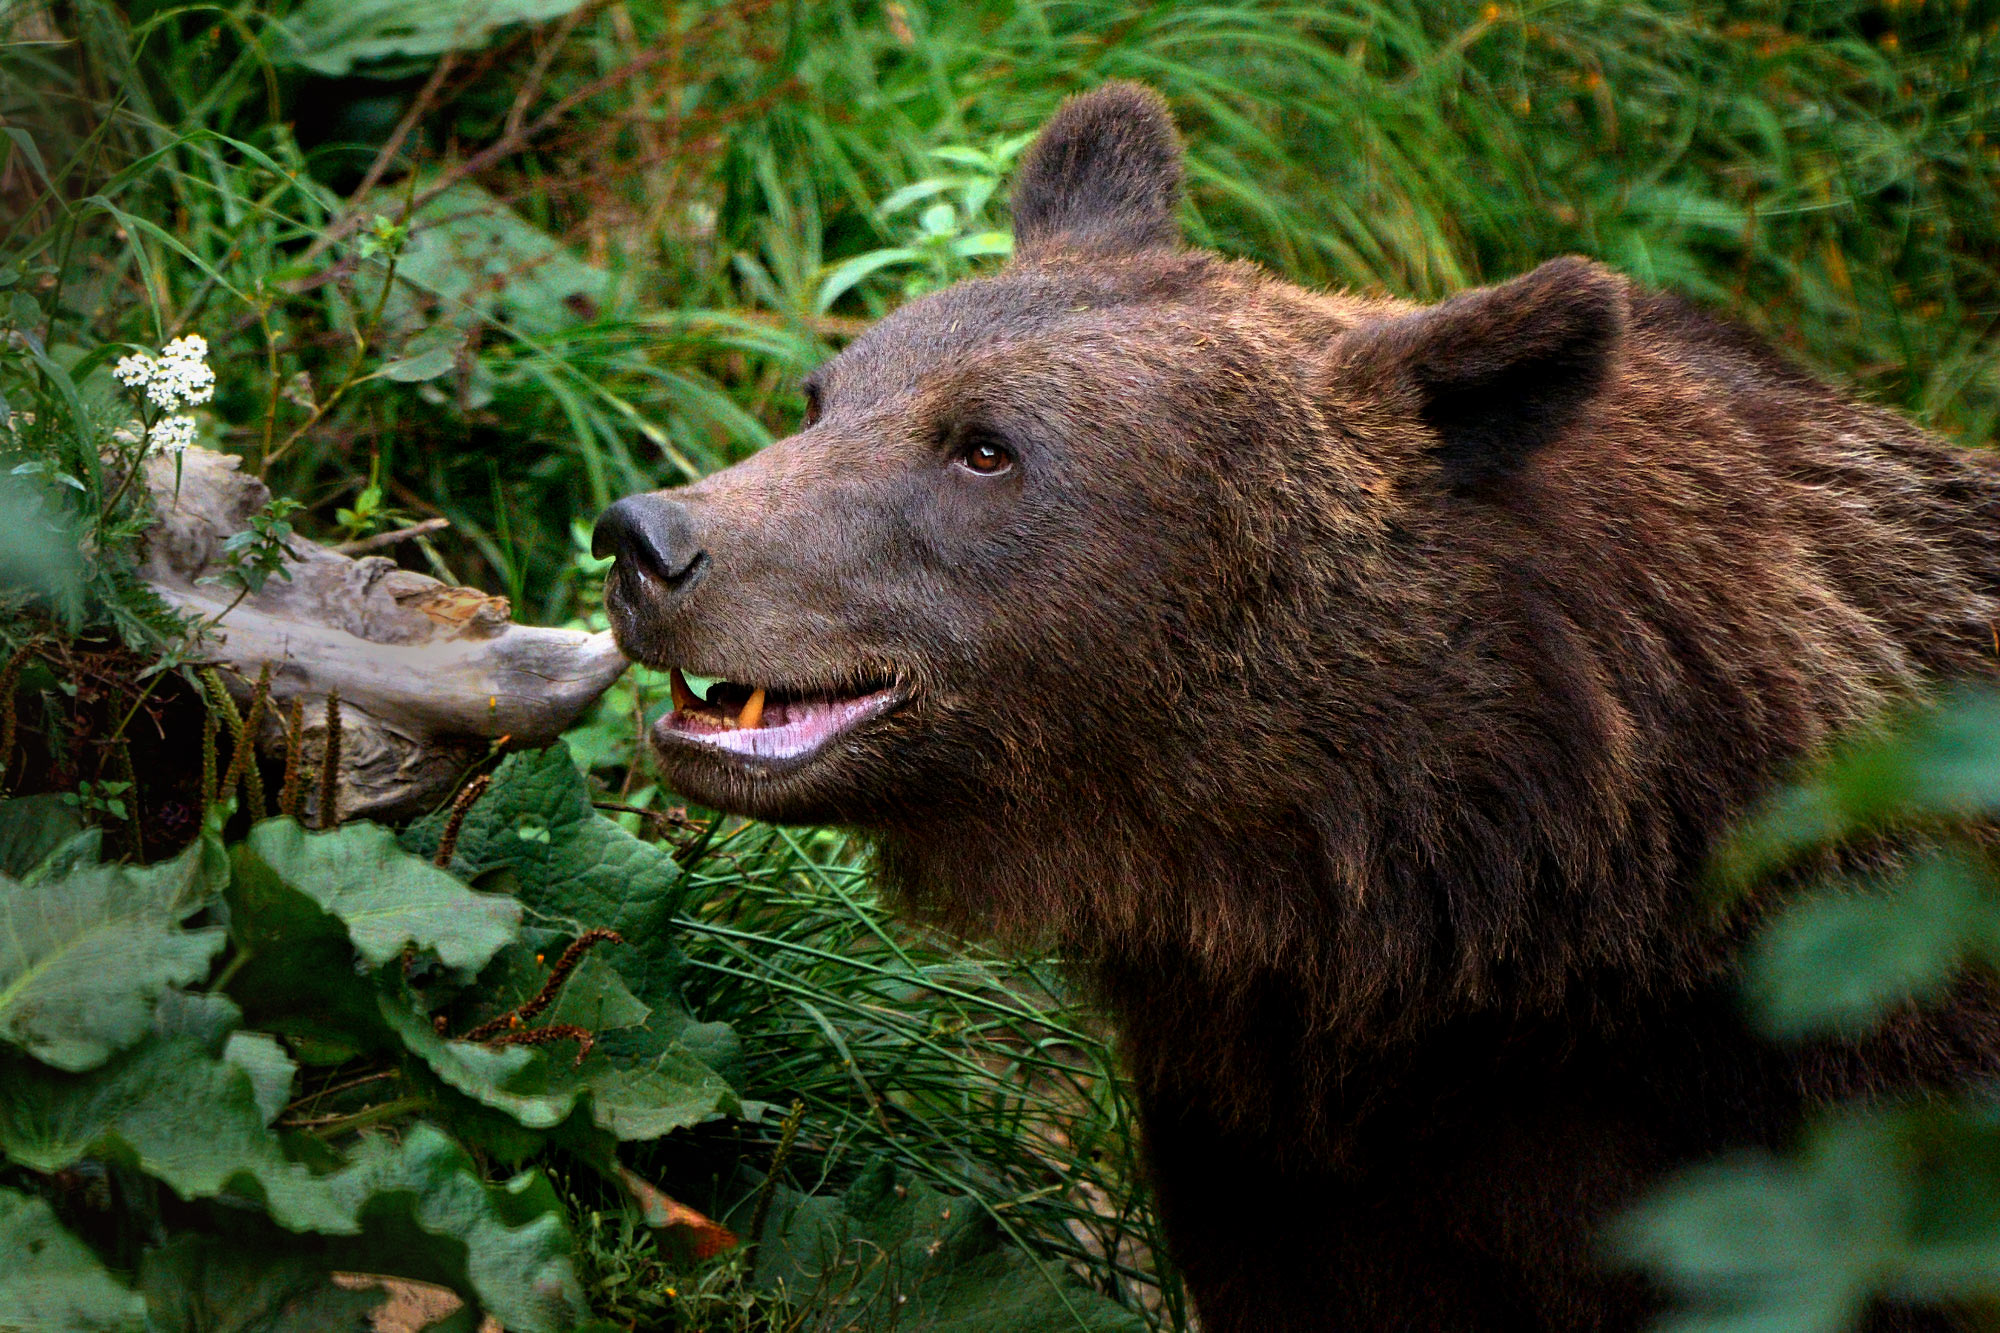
<point>760,722</point>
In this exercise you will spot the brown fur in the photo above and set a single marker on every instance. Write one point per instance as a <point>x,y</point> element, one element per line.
<point>1358,688</point>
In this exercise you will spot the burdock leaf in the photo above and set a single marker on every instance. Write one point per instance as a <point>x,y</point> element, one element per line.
<point>51,1280</point>
<point>572,869</point>
<point>333,36</point>
<point>916,1260</point>
<point>31,829</point>
<point>586,870</point>
<point>202,1284</point>
<point>177,1113</point>
<point>84,956</point>
<point>428,1214</point>
<point>541,1087</point>
<point>418,1208</point>
<point>388,899</point>
<point>425,1214</point>
<point>270,1070</point>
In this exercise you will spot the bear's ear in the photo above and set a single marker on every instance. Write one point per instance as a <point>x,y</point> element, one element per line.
<point>1104,174</point>
<point>1499,372</point>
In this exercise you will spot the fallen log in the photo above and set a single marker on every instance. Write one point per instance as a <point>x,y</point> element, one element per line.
<point>429,675</point>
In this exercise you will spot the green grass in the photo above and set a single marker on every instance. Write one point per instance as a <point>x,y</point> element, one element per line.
<point>1826,171</point>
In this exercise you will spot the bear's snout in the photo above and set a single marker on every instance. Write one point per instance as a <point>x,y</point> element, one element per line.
<point>652,536</point>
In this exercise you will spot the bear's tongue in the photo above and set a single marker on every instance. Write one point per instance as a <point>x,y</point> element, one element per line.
<point>753,721</point>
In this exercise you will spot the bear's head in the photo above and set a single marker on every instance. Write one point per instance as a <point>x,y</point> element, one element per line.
<point>1037,525</point>
<point>1134,593</point>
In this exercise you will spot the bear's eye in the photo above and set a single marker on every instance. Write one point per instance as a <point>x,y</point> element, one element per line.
<point>812,406</point>
<point>987,458</point>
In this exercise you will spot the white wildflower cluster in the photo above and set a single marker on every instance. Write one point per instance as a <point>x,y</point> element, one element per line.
<point>172,435</point>
<point>178,377</point>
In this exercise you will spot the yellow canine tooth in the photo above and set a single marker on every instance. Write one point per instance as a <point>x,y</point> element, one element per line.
<point>683,696</point>
<point>753,710</point>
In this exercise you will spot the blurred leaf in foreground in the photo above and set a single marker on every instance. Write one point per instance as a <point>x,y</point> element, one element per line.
<point>1883,1203</point>
<point>51,1280</point>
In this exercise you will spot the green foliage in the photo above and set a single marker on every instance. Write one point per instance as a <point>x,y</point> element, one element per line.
<point>903,1256</point>
<point>82,959</point>
<point>596,253</point>
<point>572,869</point>
<point>333,36</point>
<point>385,900</point>
<point>501,261</point>
<point>326,1084</point>
<point>52,1280</point>
<point>982,1077</point>
<point>1896,1202</point>
<point>258,552</point>
<point>116,1063</point>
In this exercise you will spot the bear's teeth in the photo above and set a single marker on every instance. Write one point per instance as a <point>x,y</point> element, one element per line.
<point>684,698</point>
<point>753,710</point>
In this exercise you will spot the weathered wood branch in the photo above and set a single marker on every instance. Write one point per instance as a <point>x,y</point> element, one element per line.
<point>429,675</point>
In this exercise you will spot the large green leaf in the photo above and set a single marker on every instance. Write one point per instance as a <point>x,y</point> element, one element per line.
<point>472,259</point>
<point>387,899</point>
<point>901,1255</point>
<point>428,1213</point>
<point>1901,1204</point>
<point>204,1284</point>
<point>536,832</point>
<point>31,829</point>
<point>1839,959</point>
<point>631,1098</point>
<point>416,1209</point>
<point>334,36</point>
<point>84,956</point>
<point>51,1280</point>
<point>302,905</point>
<point>423,1211</point>
<point>176,1112</point>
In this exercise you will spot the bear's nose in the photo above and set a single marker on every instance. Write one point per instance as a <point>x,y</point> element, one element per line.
<point>651,532</point>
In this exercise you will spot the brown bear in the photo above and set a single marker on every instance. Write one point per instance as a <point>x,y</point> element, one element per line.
<point>1355,688</point>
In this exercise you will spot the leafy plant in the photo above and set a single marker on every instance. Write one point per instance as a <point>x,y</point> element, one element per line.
<point>329,1032</point>
<point>255,554</point>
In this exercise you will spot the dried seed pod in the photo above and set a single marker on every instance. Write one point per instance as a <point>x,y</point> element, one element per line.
<point>448,841</point>
<point>329,773</point>
<point>292,791</point>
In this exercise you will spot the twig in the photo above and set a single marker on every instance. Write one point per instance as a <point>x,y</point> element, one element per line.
<point>542,1036</point>
<point>448,841</point>
<point>674,817</point>
<point>348,1086</point>
<point>508,143</point>
<point>382,539</point>
<point>531,87</point>
<point>385,155</point>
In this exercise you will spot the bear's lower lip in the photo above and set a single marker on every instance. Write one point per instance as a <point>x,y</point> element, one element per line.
<point>791,730</point>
